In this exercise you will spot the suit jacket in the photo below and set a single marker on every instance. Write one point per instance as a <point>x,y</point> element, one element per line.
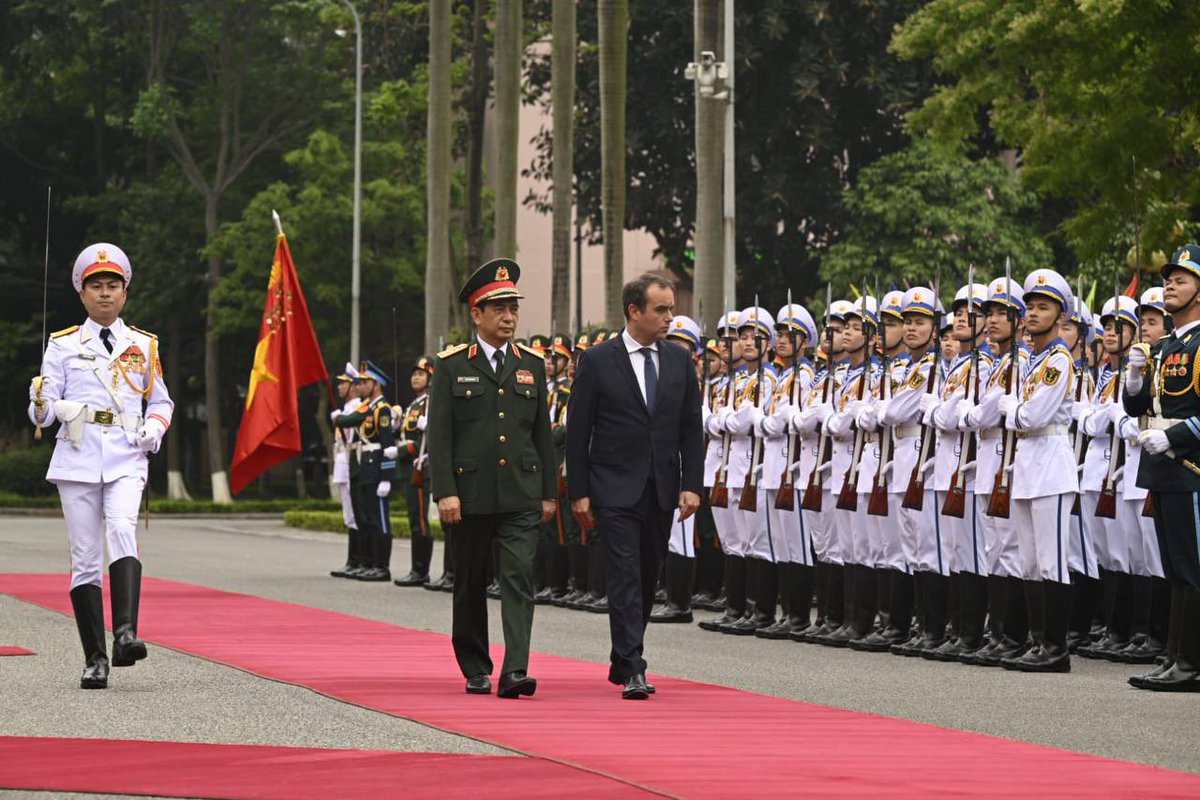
<point>489,435</point>
<point>615,444</point>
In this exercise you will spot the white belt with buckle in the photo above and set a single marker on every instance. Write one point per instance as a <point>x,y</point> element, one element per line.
<point>370,447</point>
<point>1160,423</point>
<point>991,433</point>
<point>907,431</point>
<point>129,422</point>
<point>1045,430</point>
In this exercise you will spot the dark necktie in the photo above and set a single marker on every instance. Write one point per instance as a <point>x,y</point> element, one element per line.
<point>106,337</point>
<point>499,357</point>
<point>651,376</point>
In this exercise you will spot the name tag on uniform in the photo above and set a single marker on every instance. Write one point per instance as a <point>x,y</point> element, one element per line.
<point>524,376</point>
<point>85,356</point>
<point>468,379</point>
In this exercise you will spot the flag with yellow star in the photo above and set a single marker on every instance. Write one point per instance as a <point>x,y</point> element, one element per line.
<point>286,357</point>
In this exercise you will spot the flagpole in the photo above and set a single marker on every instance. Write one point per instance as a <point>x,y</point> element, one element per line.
<point>278,222</point>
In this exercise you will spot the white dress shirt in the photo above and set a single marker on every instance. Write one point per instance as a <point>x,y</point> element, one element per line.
<point>490,352</point>
<point>638,360</point>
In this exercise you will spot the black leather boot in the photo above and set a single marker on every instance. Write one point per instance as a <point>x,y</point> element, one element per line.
<point>351,555</point>
<point>766,596</point>
<point>782,627</point>
<point>125,587</point>
<point>935,599</point>
<point>680,573</point>
<point>88,603</point>
<point>1184,674</point>
<point>836,610</point>
<point>1055,620</point>
<point>1117,607</point>
<point>1174,638</point>
<point>735,595</point>
<point>898,602</point>
<point>1083,609</point>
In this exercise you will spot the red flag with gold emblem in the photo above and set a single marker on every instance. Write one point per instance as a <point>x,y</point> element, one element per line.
<point>287,357</point>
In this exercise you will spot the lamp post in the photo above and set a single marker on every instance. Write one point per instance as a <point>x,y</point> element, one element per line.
<point>356,245</point>
<point>706,73</point>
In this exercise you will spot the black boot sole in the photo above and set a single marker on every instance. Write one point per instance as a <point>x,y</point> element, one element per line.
<point>128,656</point>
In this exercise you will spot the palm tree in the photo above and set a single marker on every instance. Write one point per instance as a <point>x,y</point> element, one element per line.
<point>710,136</point>
<point>562,99</point>
<point>437,177</point>
<point>613,18</point>
<point>509,40</point>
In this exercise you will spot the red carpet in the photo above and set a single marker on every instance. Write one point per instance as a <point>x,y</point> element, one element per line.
<point>754,745</point>
<point>13,650</point>
<point>189,769</point>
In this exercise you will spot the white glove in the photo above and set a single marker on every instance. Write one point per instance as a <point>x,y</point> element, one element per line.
<point>824,412</point>
<point>149,436</point>
<point>839,425</point>
<point>384,489</point>
<point>963,414</point>
<point>421,422</point>
<point>1116,413</point>
<point>949,415</point>
<point>333,415</point>
<point>1133,369</point>
<point>1154,442</point>
<point>1128,430</point>
<point>867,419</point>
<point>745,419</point>
<point>37,417</point>
<point>1008,405</point>
<point>928,403</point>
<point>1079,411</point>
<point>774,425</point>
<point>806,420</point>
<point>390,452</point>
<point>881,408</point>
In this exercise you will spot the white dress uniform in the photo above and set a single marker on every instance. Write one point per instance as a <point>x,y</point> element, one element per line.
<point>343,438</point>
<point>753,528</point>
<point>101,401</point>
<point>792,543</point>
<point>804,422</point>
<point>886,547</point>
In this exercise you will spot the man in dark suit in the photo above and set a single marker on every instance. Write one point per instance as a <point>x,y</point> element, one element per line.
<point>635,453</point>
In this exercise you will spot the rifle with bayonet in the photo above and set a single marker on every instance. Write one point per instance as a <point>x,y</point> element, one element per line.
<point>955,504</point>
<point>785,496</point>
<point>718,495</point>
<point>812,493</point>
<point>914,493</point>
<point>848,496</point>
<point>1081,375</point>
<point>1106,504</point>
<point>749,499</point>
<point>999,504</point>
<point>877,504</point>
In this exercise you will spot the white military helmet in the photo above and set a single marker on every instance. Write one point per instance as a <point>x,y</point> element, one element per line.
<point>98,259</point>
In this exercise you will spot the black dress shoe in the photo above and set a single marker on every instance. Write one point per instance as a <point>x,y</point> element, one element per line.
<point>543,596</point>
<point>412,579</point>
<point>1179,677</point>
<point>515,684</point>
<point>1040,659</point>
<point>1141,649</point>
<point>911,648</point>
<point>355,571</point>
<point>616,680</point>
<point>95,674</point>
<point>567,599</point>
<point>705,601</point>
<point>670,613</point>
<point>879,641</point>
<point>635,688</point>
<point>376,575</point>
<point>479,684</point>
<point>342,571</point>
<point>776,630</point>
<point>726,617</point>
<point>448,583</point>
<point>127,649</point>
<point>599,606</point>
<point>437,585</point>
<point>493,590</point>
<point>1137,681</point>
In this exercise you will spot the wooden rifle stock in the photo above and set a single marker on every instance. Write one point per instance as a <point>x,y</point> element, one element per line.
<point>785,497</point>
<point>914,493</point>
<point>1148,506</point>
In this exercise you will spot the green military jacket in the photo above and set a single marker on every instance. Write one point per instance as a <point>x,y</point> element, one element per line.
<point>408,446</point>
<point>1171,391</point>
<point>489,436</point>
<point>374,424</point>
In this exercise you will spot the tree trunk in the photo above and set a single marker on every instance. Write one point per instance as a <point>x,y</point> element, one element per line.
<point>476,112</point>
<point>437,177</point>
<point>562,93</point>
<point>613,25</point>
<point>710,139</point>
<point>509,25</point>
<point>176,487</point>
<point>212,364</point>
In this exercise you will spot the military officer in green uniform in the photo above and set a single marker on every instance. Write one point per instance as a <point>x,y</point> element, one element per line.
<point>371,473</point>
<point>412,472</point>
<point>492,474</point>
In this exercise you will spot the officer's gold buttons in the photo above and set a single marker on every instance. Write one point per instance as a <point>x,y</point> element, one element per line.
<point>504,462</point>
<point>502,439</point>
<point>500,392</point>
<point>468,392</point>
<point>501,415</point>
<point>460,471</point>
<point>528,392</point>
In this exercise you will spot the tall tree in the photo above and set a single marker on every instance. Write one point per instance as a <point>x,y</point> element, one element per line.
<point>226,83</point>
<point>710,140</point>
<point>613,25</point>
<point>437,177</point>
<point>476,102</point>
<point>562,88</point>
<point>509,48</point>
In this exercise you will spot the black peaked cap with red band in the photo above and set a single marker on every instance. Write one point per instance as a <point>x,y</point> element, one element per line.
<point>495,280</point>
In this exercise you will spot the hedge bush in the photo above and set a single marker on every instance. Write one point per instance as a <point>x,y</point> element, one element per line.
<point>23,472</point>
<point>165,506</point>
<point>331,521</point>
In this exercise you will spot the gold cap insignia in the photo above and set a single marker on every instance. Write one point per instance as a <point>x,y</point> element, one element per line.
<point>102,255</point>
<point>501,273</point>
<point>1041,280</point>
<point>917,297</point>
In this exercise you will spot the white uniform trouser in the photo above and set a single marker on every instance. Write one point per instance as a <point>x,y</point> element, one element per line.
<point>1043,536</point>
<point>823,530</point>
<point>887,549</point>
<point>1081,554</point>
<point>1000,544</point>
<point>760,535</point>
<point>681,542</point>
<point>1144,556</point>
<point>964,537</point>
<point>347,506</point>
<point>797,536</point>
<point>787,534</point>
<point>1113,542</point>
<point>732,543</point>
<point>925,543</point>
<point>852,533</point>
<point>99,514</point>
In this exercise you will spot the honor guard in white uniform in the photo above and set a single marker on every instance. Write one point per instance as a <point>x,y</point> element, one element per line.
<point>102,382</point>
<point>1008,622</point>
<point>794,330</point>
<point>921,536</point>
<point>961,516</point>
<point>1044,478</point>
<point>343,438</point>
<point>813,480</point>
<point>680,568</point>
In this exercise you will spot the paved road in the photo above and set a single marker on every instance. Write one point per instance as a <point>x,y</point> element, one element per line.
<point>1091,709</point>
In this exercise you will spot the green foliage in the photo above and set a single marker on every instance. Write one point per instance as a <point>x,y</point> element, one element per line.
<point>1082,89</point>
<point>930,207</point>
<point>48,500</point>
<point>331,521</point>
<point>23,472</point>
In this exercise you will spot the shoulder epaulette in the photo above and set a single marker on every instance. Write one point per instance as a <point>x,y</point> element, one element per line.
<point>144,333</point>
<point>451,350</point>
<point>530,350</point>
<point>64,331</point>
